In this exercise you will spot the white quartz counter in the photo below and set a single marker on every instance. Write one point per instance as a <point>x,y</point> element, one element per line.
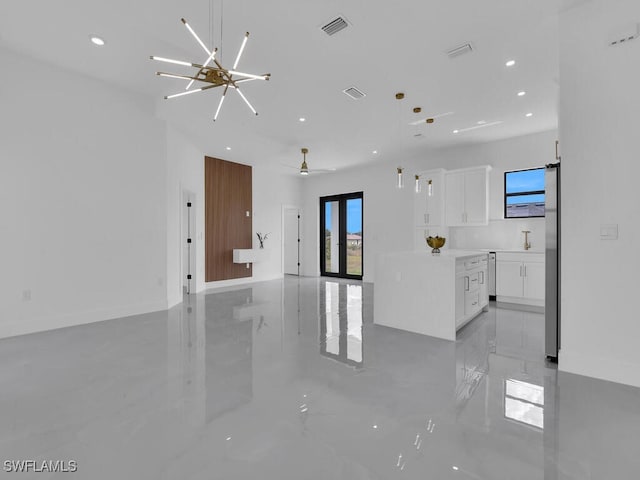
<point>416,291</point>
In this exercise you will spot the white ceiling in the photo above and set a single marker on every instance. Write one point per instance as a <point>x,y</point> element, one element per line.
<point>390,47</point>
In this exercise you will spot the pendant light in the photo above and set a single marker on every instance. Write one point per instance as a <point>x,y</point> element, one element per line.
<point>430,188</point>
<point>418,186</point>
<point>400,182</point>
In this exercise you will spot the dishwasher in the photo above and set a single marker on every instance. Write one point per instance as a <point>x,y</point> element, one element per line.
<point>492,275</point>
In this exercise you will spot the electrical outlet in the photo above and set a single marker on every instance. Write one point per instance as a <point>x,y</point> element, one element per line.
<point>26,295</point>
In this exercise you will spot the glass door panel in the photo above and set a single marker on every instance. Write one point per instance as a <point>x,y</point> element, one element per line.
<point>354,236</point>
<point>332,237</point>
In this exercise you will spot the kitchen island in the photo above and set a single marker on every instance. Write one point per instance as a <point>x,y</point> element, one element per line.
<point>430,294</point>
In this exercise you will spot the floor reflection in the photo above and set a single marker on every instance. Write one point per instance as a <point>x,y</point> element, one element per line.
<point>232,385</point>
<point>340,313</point>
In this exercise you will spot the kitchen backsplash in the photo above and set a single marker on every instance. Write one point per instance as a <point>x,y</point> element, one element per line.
<point>500,235</point>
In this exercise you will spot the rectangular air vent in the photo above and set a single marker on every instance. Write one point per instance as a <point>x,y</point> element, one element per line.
<point>354,93</point>
<point>459,50</point>
<point>631,32</point>
<point>335,25</point>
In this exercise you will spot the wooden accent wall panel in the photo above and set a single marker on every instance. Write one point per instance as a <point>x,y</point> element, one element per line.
<point>227,192</point>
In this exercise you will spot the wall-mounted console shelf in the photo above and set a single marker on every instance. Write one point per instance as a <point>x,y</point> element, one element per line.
<point>249,255</point>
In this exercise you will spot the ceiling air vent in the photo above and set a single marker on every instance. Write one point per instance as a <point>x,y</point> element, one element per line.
<point>631,32</point>
<point>354,93</point>
<point>459,50</point>
<point>335,25</point>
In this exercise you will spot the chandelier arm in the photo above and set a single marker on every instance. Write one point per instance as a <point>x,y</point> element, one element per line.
<point>213,54</point>
<point>244,43</point>
<point>215,117</point>
<point>246,101</point>
<point>195,35</point>
<point>189,92</point>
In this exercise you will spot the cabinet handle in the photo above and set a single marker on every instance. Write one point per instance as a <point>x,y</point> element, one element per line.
<point>482,282</point>
<point>521,270</point>
<point>525,270</point>
<point>466,283</point>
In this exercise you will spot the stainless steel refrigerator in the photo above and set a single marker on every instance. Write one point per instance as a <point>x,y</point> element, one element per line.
<point>552,260</point>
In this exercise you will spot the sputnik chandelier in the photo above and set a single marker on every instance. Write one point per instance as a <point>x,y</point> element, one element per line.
<point>212,73</point>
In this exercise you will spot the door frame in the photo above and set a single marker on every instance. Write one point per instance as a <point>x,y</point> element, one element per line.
<point>342,234</point>
<point>285,208</point>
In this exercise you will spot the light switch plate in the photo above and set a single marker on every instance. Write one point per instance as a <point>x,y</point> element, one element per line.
<point>609,231</point>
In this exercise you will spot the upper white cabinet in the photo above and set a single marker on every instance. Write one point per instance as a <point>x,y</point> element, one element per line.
<point>466,199</point>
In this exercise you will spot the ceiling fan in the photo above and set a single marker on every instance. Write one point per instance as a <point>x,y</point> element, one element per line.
<point>304,168</point>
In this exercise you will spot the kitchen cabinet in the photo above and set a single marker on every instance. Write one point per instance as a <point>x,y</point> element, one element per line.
<point>430,294</point>
<point>472,295</point>
<point>520,278</point>
<point>466,197</point>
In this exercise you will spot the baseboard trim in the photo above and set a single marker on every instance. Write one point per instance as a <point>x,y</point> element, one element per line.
<point>600,367</point>
<point>240,281</point>
<point>43,324</point>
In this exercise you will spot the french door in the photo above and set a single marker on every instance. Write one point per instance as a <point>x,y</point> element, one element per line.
<point>341,236</point>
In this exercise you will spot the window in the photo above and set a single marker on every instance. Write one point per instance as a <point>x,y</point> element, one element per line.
<point>524,193</point>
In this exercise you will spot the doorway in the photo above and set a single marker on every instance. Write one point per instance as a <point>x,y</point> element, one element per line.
<point>341,236</point>
<point>291,240</point>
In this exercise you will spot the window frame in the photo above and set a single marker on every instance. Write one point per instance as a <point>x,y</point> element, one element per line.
<point>519,194</point>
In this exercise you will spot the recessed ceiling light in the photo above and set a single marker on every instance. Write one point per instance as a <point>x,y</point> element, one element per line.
<point>481,122</point>
<point>456,131</point>
<point>96,40</point>
<point>228,148</point>
<point>455,468</point>
<point>529,114</point>
<point>522,94</point>
<point>302,119</point>
<point>375,152</point>
<point>510,63</point>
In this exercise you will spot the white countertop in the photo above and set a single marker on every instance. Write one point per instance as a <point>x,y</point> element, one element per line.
<point>444,254</point>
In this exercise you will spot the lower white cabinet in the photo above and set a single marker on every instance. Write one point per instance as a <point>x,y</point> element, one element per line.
<point>472,295</point>
<point>520,278</point>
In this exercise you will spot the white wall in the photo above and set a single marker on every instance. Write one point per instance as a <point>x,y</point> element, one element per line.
<point>388,212</point>
<point>271,190</point>
<point>600,148</point>
<point>185,172</point>
<point>82,200</point>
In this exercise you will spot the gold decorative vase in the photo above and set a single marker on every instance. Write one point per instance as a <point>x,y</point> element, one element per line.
<point>435,243</point>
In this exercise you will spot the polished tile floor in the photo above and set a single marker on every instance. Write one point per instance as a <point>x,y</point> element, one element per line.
<point>292,380</point>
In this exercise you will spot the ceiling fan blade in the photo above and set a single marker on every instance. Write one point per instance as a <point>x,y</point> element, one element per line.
<point>423,120</point>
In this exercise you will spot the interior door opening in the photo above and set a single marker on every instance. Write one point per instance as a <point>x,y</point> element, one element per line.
<point>291,240</point>
<point>341,236</point>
